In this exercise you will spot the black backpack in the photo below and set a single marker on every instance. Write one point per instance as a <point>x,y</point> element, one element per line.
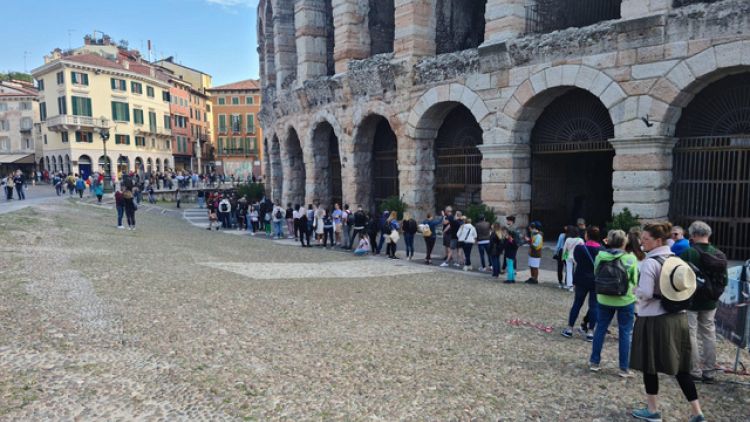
<point>278,214</point>
<point>711,274</point>
<point>611,278</point>
<point>672,306</point>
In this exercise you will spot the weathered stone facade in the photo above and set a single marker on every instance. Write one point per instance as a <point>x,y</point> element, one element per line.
<point>644,67</point>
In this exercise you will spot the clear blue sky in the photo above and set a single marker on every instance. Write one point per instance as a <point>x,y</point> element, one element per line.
<point>214,36</point>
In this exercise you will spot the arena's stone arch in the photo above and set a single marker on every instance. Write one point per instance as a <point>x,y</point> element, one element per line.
<point>427,115</point>
<point>531,97</point>
<point>318,166</point>
<point>293,166</point>
<point>689,76</point>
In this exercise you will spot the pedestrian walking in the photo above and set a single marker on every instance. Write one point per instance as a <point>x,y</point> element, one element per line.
<point>178,197</point>
<point>467,234</point>
<point>130,208</point>
<point>99,192</point>
<point>289,217</point>
<point>120,207</point>
<point>572,240</point>
<point>583,282</point>
<point>18,181</point>
<point>483,242</point>
<point>304,234</point>
<point>429,233</point>
<point>278,220</point>
<point>558,257</point>
<point>359,225</point>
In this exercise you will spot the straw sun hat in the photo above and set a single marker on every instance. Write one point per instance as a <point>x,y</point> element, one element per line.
<point>677,280</point>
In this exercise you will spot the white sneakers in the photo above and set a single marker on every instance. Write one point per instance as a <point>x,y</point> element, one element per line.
<point>121,227</point>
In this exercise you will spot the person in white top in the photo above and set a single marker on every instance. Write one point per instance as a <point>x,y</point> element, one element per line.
<point>467,234</point>
<point>572,240</point>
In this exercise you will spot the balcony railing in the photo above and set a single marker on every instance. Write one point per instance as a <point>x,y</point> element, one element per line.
<point>153,131</point>
<point>66,122</point>
<point>237,152</point>
<point>550,15</point>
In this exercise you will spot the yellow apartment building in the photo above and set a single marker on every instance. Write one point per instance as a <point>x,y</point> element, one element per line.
<point>102,89</point>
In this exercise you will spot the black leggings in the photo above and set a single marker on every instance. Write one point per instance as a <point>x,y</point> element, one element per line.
<point>429,244</point>
<point>685,380</point>
<point>560,268</point>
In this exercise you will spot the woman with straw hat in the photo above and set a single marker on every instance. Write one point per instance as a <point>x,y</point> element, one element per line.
<point>661,340</point>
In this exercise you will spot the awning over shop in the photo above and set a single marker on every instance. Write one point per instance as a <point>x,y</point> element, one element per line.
<point>16,158</point>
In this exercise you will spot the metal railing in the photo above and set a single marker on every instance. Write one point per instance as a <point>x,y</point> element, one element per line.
<point>67,120</point>
<point>550,15</point>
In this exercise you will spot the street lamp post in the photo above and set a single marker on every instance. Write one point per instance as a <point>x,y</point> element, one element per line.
<point>104,135</point>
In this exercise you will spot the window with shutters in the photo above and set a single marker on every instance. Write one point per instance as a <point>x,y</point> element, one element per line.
<point>150,91</point>
<point>120,112</point>
<point>60,78</point>
<point>61,105</point>
<point>222,123</point>
<point>43,111</point>
<point>167,122</point>
<point>81,106</point>
<point>235,100</point>
<point>136,88</point>
<point>82,136</point>
<point>140,141</point>
<point>222,101</point>
<point>40,84</point>
<point>250,123</point>
<point>79,78</point>
<point>165,96</point>
<point>64,137</point>
<point>152,121</point>
<point>248,100</point>
<point>122,139</point>
<point>118,84</point>
<point>236,123</point>
<point>137,117</point>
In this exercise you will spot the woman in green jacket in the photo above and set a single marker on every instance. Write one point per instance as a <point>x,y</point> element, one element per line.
<point>623,306</point>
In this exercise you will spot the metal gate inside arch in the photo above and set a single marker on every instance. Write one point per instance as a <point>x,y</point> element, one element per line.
<point>571,166</point>
<point>711,169</point>
<point>458,162</point>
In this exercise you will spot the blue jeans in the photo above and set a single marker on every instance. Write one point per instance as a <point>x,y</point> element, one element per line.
<point>409,240</point>
<point>120,212</point>
<point>482,248</point>
<point>580,297</point>
<point>495,262</point>
<point>381,241</point>
<point>201,202</point>
<point>277,229</point>
<point>625,318</point>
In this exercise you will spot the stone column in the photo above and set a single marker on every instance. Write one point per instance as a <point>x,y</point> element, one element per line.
<point>352,36</point>
<point>266,167</point>
<point>310,26</point>
<point>504,19</point>
<point>639,8</point>
<point>415,28</point>
<point>416,174</point>
<point>642,175</point>
<point>506,180</point>
<point>276,170</point>
<point>269,50</point>
<point>285,47</point>
<point>349,185</point>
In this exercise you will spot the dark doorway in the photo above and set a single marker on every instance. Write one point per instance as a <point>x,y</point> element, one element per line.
<point>711,170</point>
<point>296,163</point>
<point>328,165</point>
<point>460,25</point>
<point>571,166</point>
<point>381,22</point>
<point>458,162</point>
<point>385,167</point>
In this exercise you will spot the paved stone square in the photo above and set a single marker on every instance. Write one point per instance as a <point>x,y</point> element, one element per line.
<point>172,322</point>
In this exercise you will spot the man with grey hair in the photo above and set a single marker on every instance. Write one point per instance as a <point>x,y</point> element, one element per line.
<point>703,308</point>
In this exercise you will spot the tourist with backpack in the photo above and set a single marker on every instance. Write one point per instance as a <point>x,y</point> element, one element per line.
<point>711,266</point>
<point>429,233</point>
<point>224,208</point>
<point>661,338</point>
<point>278,219</point>
<point>583,283</point>
<point>615,278</point>
<point>289,217</point>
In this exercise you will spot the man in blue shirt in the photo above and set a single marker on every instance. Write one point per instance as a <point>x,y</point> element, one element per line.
<point>680,243</point>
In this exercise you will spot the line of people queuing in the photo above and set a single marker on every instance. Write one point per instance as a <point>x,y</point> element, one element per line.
<point>663,288</point>
<point>14,181</point>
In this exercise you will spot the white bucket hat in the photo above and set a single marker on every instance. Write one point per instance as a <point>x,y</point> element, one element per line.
<point>677,280</point>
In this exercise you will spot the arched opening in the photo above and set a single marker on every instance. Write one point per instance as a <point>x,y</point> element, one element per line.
<point>277,178</point>
<point>105,166</point>
<point>149,165</point>
<point>166,165</point>
<point>139,165</point>
<point>54,164</point>
<point>330,38</point>
<point>381,21</point>
<point>123,165</point>
<point>294,184</point>
<point>458,162</point>
<point>459,25</point>
<point>41,164</point>
<point>376,151</point>
<point>67,164</point>
<point>49,169</point>
<point>571,161</point>
<point>711,167</point>
<point>327,164</point>
<point>158,165</point>
<point>84,166</point>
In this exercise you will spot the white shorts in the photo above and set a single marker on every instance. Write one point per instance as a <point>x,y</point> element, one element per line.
<point>534,262</point>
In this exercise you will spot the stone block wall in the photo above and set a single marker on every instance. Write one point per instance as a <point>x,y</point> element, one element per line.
<point>644,67</point>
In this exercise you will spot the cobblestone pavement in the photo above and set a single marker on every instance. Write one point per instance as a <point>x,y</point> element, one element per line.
<point>171,322</point>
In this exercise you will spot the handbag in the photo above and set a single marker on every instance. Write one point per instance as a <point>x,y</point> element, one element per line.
<point>394,236</point>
